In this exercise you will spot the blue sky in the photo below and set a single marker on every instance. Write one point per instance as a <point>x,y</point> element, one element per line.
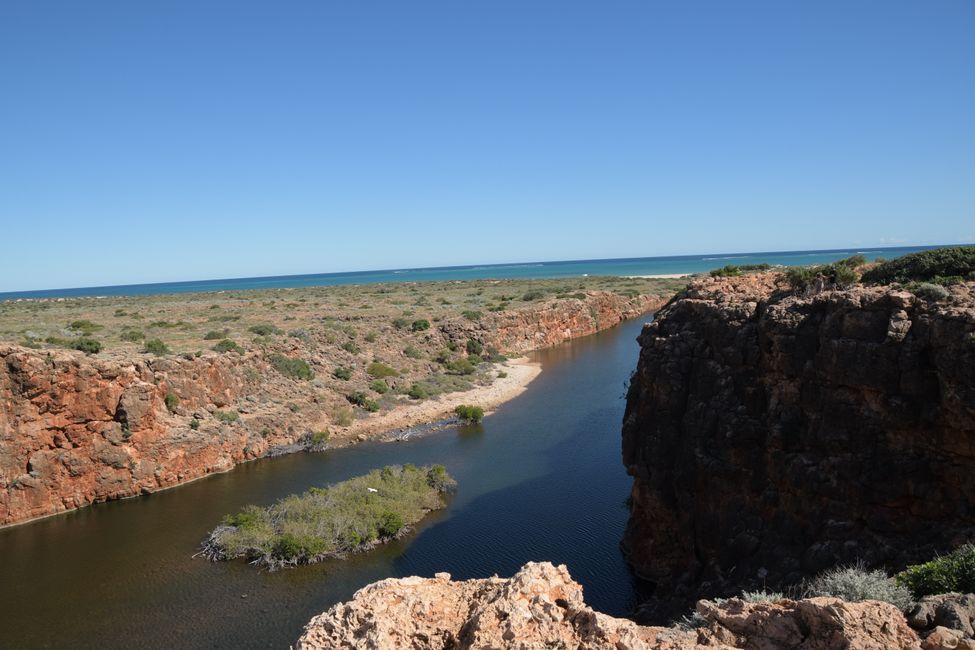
<point>145,142</point>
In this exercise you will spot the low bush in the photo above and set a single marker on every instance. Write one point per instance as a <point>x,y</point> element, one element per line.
<point>341,416</point>
<point>87,345</point>
<point>227,417</point>
<point>85,327</point>
<point>357,397</point>
<point>533,295</point>
<point>470,414</point>
<point>460,367</point>
<point>378,370</point>
<point>351,347</point>
<point>319,438</point>
<point>379,386</point>
<point>928,290</point>
<point>172,402</point>
<point>761,596</point>
<point>418,391</point>
<point>226,345</point>
<point>263,329</point>
<point>132,336</point>
<point>952,572</point>
<point>925,266</point>
<point>214,335</point>
<point>343,373</point>
<point>412,352</point>
<point>726,271</point>
<point>293,368</point>
<point>420,325</point>
<point>156,347</point>
<point>472,315</point>
<point>474,347</point>
<point>856,583</point>
<point>401,323</point>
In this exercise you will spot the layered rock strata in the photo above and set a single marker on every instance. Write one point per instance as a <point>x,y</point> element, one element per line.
<point>771,435</point>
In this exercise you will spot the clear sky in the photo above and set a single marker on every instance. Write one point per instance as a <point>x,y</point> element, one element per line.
<point>175,140</point>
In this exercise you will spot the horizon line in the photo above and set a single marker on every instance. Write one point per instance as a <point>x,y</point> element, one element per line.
<point>9,295</point>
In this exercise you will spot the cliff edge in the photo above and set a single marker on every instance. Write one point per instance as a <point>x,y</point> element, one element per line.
<point>771,434</point>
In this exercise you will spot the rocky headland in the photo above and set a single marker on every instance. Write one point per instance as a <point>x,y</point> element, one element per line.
<point>78,428</point>
<point>772,433</point>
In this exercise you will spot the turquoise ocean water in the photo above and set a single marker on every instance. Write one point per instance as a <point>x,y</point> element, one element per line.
<point>576,268</point>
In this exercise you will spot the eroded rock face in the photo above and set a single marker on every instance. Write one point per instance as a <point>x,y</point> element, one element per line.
<point>542,607</point>
<point>771,435</point>
<point>76,430</point>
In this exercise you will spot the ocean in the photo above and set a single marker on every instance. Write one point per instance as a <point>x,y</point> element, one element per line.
<point>573,268</point>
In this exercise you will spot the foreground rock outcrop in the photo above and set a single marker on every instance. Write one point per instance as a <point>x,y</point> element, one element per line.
<point>77,429</point>
<point>542,607</point>
<point>771,435</point>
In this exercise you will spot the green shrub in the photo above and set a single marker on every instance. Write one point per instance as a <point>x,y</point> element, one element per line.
<point>194,424</point>
<point>85,327</point>
<point>928,290</point>
<point>379,370</point>
<point>357,397</point>
<point>87,345</point>
<point>132,336</point>
<point>761,596</point>
<point>319,438</point>
<point>726,271</point>
<point>351,347</point>
<point>420,325</point>
<point>460,367</point>
<point>952,572</point>
<point>156,347</point>
<point>214,335</point>
<point>172,401</point>
<point>855,584</point>
<point>390,523</point>
<point>401,323</point>
<point>533,295</point>
<point>471,414</point>
<point>371,405</point>
<point>474,347</point>
<point>412,352</point>
<point>379,386</point>
<point>925,266</point>
<point>370,337</point>
<point>343,373</point>
<point>263,329</point>
<point>227,417</point>
<point>472,315</point>
<point>293,368</point>
<point>418,391</point>
<point>227,345</point>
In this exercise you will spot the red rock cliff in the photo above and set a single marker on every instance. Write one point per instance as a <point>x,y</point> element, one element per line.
<point>771,435</point>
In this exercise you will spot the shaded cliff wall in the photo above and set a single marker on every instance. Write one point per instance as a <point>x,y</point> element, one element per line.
<point>771,435</point>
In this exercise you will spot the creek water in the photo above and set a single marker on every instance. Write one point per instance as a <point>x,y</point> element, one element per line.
<point>541,479</point>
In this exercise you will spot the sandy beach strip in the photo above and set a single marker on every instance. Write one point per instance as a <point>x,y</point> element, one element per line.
<point>520,373</point>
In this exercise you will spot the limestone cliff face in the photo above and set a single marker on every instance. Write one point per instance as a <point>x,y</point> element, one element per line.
<point>76,430</point>
<point>542,607</point>
<point>771,435</point>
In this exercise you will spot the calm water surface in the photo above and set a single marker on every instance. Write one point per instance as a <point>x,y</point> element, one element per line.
<point>541,479</point>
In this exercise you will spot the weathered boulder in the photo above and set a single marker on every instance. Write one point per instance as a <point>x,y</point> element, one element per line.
<point>933,615</point>
<point>771,435</point>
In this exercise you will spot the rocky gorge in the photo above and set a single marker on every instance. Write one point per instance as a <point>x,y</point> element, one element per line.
<point>78,429</point>
<point>772,433</point>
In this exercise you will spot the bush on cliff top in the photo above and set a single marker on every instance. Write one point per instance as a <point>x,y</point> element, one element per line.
<point>940,266</point>
<point>840,273</point>
<point>855,584</point>
<point>952,572</point>
<point>325,522</point>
